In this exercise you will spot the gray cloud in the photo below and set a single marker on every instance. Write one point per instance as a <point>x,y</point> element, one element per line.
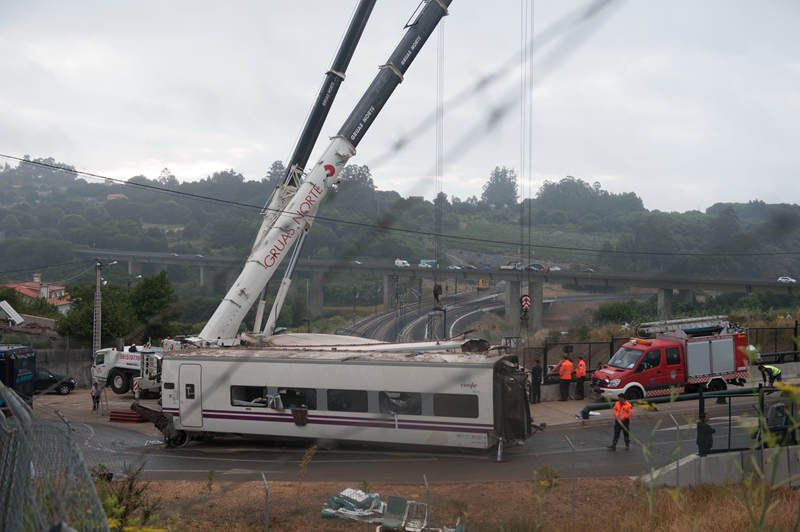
<point>685,103</point>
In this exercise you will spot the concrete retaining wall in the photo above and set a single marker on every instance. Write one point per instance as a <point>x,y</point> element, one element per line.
<point>731,468</point>
<point>75,363</point>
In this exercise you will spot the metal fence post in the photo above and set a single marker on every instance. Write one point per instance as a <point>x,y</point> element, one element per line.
<point>678,455</point>
<point>266,502</point>
<point>573,475</point>
<point>796,342</point>
<point>428,500</point>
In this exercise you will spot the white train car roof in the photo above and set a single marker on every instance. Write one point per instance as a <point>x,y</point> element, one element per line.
<point>329,348</point>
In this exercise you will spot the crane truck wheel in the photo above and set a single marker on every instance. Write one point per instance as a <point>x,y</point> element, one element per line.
<point>181,439</point>
<point>120,382</point>
<point>634,394</point>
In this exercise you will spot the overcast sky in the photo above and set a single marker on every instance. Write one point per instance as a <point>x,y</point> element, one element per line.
<point>686,103</point>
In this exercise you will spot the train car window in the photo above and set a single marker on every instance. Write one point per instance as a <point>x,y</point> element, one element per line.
<point>299,398</point>
<point>348,400</point>
<point>455,405</point>
<point>408,403</point>
<point>249,396</point>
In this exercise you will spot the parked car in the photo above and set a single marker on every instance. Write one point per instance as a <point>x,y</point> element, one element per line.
<point>455,267</point>
<point>589,270</point>
<point>555,268</point>
<point>401,263</point>
<point>357,262</point>
<point>512,266</point>
<point>471,267</point>
<point>786,279</point>
<point>47,381</point>
<point>536,267</point>
<point>487,267</point>
<point>425,265</point>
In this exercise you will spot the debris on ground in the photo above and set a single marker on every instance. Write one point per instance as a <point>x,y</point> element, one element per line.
<point>355,505</point>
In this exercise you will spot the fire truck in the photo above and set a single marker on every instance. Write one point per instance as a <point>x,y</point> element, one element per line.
<point>683,356</point>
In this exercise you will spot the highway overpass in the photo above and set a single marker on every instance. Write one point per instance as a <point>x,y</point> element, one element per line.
<point>664,284</point>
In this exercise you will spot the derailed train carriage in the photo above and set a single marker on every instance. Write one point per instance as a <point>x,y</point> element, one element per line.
<point>347,393</point>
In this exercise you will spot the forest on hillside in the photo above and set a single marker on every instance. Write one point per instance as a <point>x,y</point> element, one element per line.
<point>47,209</point>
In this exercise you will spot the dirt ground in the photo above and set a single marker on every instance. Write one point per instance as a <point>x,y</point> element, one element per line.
<point>600,505</point>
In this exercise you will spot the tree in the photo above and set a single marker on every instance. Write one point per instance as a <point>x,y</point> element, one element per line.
<point>274,174</point>
<point>155,304</point>
<point>501,188</point>
<point>119,319</point>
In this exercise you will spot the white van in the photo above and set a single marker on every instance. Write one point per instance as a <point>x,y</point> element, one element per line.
<point>401,263</point>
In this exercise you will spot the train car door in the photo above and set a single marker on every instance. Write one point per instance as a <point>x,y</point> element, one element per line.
<point>189,398</point>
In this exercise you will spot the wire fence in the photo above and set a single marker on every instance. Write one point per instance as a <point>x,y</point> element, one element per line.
<point>43,478</point>
<point>777,344</point>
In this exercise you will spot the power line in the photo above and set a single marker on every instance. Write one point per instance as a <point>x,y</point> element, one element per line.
<point>386,228</point>
<point>34,268</point>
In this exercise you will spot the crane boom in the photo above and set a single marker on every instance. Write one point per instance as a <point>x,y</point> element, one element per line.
<point>302,151</point>
<point>301,208</point>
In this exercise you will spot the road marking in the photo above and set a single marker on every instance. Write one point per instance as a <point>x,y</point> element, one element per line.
<point>283,461</point>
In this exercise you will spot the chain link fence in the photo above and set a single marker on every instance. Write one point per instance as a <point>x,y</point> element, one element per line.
<point>43,478</point>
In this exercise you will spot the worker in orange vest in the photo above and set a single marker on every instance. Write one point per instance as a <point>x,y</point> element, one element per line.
<point>564,369</point>
<point>580,377</point>
<point>622,422</point>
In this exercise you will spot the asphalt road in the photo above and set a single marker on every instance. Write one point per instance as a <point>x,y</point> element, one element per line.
<point>236,458</point>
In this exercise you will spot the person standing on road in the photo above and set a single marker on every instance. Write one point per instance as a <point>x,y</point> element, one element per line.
<point>580,377</point>
<point>536,382</point>
<point>622,422</point>
<point>772,372</point>
<point>94,391</point>
<point>564,369</point>
<point>705,436</point>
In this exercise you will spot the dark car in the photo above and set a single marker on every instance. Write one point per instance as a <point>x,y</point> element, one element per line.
<point>536,267</point>
<point>47,381</point>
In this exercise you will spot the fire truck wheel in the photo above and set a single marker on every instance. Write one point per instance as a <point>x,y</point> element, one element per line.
<point>716,386</point>
<point>120,382</point>
<point>634,394</point>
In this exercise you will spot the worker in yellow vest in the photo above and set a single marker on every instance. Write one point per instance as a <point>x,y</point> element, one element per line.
<point>622,422</point>
<point>564,369</point>
<point>580,377</point>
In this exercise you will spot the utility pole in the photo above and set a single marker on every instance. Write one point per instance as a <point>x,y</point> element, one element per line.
<point>96,328</point>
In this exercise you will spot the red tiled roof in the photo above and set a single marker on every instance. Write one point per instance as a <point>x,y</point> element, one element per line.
<point>32,290</point>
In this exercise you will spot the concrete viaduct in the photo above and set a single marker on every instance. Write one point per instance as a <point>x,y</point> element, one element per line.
<point>665,285</point>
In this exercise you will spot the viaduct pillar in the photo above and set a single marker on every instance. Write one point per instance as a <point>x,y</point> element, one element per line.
<point>665,303</point>
<point>388,291</point>
<point>134,268</point>
<point>315,296</point>
<point>512,302</point>
<point>686,295</point>
<point>202,276</point>
<point>536,312</point>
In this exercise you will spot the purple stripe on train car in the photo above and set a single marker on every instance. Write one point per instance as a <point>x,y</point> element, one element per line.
<point>288,415</point>
<point>383,425</point>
